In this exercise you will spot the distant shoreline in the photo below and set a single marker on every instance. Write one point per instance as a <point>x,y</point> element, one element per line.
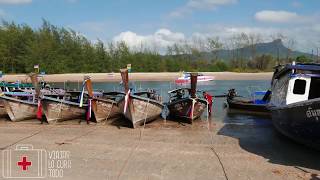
<point>162,76</point>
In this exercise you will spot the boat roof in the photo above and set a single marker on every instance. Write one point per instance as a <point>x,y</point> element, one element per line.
<point>16,85</point>
<point>298,66</point>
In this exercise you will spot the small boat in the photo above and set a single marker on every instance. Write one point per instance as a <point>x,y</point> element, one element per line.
<point>295,102</point>
<point>185,78</point>
<point>21,105</point>
<point>70,105</point>
<point>249,105</point>
<point>140,107</point>
<point>185,104</point>
<point>60,109</point>
<point>105,106</point>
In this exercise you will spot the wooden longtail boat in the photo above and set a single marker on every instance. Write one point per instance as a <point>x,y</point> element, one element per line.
<point>22,106</point>
<point>104,107</point>
<point>66,108</point>
<point>136,108</point>
<point>18,109</point>
<point>185,104</point>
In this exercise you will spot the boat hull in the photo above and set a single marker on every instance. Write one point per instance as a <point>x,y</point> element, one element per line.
<point>299,121</point>
<point>59,110</point>
<point>140,110</point>
<point>3,111</point>
<point>248,107</point>
<point>105,109</point>
<point>182,109</point>
<point>19,110</point>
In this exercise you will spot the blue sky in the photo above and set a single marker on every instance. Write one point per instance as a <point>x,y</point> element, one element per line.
<point>164,22</point>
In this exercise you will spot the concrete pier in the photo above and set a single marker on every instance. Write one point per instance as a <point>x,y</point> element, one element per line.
<point>168,150</point>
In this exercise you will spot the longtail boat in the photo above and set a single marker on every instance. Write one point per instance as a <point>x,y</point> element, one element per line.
<point>184,103</point>
<point>70,106</point>
<point>137,108</point>
<point>106,106</point>
<point>22,105</point>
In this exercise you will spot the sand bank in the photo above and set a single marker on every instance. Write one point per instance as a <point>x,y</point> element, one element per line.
<point>164,76</point>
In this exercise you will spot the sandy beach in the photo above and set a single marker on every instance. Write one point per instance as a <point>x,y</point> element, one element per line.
<point>164,76</point>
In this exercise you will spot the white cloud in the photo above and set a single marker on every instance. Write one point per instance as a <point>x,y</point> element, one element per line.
<point>15,2</point>
<point>159,40</point>
<point>193,5</point>
<point>281,17</point>
<point>305,36</point>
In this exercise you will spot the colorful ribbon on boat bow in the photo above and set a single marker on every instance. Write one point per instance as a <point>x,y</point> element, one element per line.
<point>39,112</point>
<point>126,101</point>
<point>192,108</point>
<point>89,110</point>
<point>82,93</point>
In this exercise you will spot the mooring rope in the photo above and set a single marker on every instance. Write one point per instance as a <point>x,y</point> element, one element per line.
<point>212,147</point>
<point>137,145</point>
<point>109,112</point>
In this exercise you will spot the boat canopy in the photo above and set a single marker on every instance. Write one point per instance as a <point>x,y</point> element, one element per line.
<point>298,66</point>
<point>16,85</point>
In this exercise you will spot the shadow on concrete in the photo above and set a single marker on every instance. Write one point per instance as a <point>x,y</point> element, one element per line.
<point>120,122</point>
<point>257,135</point>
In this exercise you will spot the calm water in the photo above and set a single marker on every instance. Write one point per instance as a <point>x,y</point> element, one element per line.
<point>217,87</point>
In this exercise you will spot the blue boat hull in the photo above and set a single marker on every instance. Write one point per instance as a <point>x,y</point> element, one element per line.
<point>299,121</point>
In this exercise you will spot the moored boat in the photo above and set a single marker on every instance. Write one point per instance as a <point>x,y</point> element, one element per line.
<point>58,109</point>
<point>295,102</point>
<point>105,106</point>
<point>249,105</point>
<point>22,105</point>
<point>136,108</point>
<point>185,104</point>
<point>185,78</point>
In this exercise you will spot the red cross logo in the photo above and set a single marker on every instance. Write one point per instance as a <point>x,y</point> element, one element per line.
<point>24,163</point>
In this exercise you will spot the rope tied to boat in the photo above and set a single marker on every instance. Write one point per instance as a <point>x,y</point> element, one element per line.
<point>110,111</point>
<point>212,147</point>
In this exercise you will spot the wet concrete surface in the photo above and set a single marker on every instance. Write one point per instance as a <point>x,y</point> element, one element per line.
<point>167,150</point>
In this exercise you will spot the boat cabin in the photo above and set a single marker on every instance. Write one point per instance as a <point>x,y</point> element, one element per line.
<point>296,83</point>
<point>303,87</point>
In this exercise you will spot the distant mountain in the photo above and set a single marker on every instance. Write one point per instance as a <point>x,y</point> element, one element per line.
<point>271,48</point>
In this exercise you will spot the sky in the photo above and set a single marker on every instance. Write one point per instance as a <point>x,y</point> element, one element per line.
<point>161,23</point>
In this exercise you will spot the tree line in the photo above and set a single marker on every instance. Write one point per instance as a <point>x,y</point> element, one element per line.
<point>62,50</point>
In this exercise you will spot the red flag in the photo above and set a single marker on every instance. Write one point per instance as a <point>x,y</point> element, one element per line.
<point>39,112</point>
